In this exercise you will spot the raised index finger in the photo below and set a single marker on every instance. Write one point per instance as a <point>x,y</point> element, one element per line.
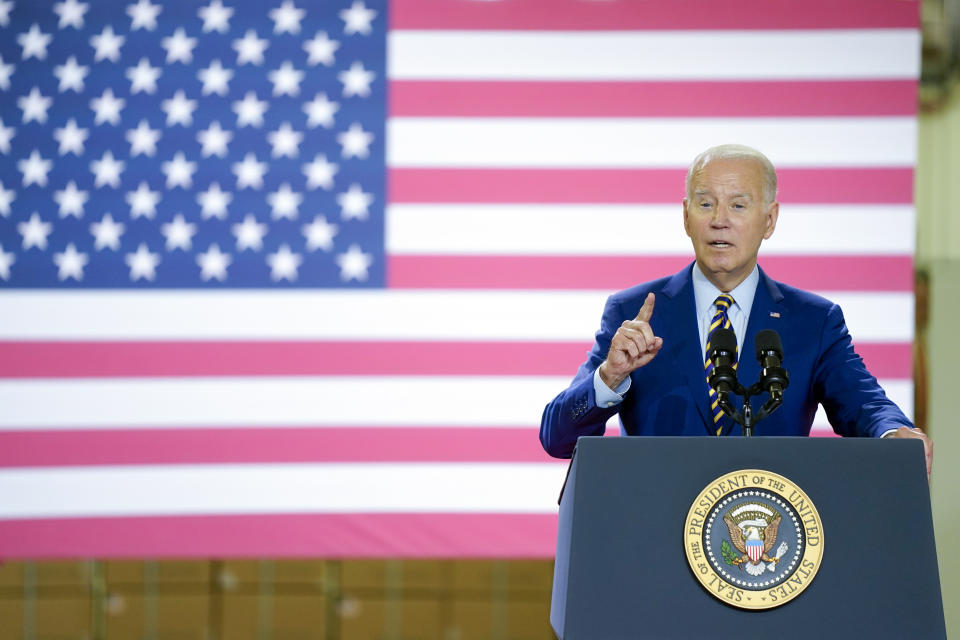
<point>646,311</point>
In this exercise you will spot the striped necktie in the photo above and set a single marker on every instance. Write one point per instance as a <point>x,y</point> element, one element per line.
<point>720,320</point>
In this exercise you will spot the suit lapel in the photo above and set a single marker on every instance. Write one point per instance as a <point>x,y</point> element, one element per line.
<point>682,335</point>
<point>768,312</point>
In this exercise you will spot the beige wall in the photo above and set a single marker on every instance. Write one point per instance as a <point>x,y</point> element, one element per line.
<point>938,251</point>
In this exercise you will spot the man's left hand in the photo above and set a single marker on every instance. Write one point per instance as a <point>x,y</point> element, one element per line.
<point>907,432</point>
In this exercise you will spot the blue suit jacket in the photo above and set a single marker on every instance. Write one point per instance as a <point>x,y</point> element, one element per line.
<point>669,396</point>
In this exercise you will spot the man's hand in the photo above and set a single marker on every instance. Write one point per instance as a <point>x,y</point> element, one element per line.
<point>907,432</point>
<point>632,346</point>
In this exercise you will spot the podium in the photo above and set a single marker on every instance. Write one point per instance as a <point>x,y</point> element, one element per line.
<point>622,568</point>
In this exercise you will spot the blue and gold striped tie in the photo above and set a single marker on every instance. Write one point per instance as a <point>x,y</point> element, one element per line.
<point>720,320</point>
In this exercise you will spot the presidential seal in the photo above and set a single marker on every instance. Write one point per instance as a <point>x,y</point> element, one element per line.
<point>753,539</point>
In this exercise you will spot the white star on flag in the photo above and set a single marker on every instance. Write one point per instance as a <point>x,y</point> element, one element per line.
<point>107,45</point>
<point>286,80</point>
<point>107,170</point>
<point>178,233</point>
<point>250,48</point>
<point>357,19</point>
<point>143,139</point>
<point>34,106</point>
<point>356,80</point>
<point>143,15</point>
<point>143,263</point>
<point>179,171</point>
<point>355,141</point>
<point>286,18</point>
<point>71,75</point>
<point>214,201</point>
<point>71,13</point>
<point>249,233</point>
<point>6,135</point>
<point>354,203</point>
<point>34,232</point>
<point>250,110</point>
<point>213,263</point>
<point>249,172</point>
<point>179,47</point>
<point>106,233</point>
<point>143,201</point>
<point>71,138</point>
<point>107,108</point>
<point>215,79</point>
<point>143,77</point>
<point>320,172</point>
<point>216,17</point>
<point>284,264</point>
<point>284,202</point>
<point>7,196</point>
<point>35,169</point>
<point>6,6</point>
<point>320,49</point>
<point>6,261</point>
<point>320,111</point>
<point>319,234</point>
<point>285,141</point>
<point>70,263</point>
<point>34,43</point>
<point>71,200</point>
<point>6,70</point>
<point>214,140</point>
<point>354,264</point>
<point>179,109</point>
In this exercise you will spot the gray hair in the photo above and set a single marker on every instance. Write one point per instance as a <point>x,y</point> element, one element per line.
<point>729,151</point>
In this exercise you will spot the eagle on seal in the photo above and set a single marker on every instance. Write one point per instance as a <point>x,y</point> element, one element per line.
<point>753,539</point>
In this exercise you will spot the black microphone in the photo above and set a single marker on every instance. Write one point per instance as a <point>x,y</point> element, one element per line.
<point>723,353</point>
<point>773,377</point>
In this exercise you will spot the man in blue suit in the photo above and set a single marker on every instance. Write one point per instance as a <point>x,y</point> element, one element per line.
<point>647,363</point>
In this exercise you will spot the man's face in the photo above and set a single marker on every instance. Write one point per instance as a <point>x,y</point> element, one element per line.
<point>727,217</point>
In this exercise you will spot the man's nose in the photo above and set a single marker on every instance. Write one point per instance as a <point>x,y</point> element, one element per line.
<point>721,217</point>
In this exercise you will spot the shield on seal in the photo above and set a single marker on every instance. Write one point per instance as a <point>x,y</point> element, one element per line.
<point>755,550</point>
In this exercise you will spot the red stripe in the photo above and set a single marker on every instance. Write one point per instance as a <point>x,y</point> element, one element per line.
<point>219,358</point>
<point>822,273</point>
<point>633,14</point>
<point>797,186</point>
<point>222,358</point>
<point>653,99</point>
<point>429,535</point>
<point>270,445</point>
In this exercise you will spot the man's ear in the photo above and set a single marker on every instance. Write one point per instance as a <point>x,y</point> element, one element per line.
<point>686,220</point>
<point>773,212</point>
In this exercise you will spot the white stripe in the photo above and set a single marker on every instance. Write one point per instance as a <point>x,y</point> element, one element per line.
<point>135,403</point>
<point>485,229</point>
<point>655,55</point>
<point>361,315</point>
<point>128,403</point>
<point>273,488</point>
<point>646,142</point>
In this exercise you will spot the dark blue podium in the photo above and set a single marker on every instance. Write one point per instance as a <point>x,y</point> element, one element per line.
<point>621,566</point>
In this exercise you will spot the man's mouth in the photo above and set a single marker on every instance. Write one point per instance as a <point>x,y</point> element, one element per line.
<point>720,245</point>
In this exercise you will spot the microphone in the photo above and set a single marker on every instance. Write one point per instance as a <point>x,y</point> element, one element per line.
<point>723,353</point>
<point>769,350</point>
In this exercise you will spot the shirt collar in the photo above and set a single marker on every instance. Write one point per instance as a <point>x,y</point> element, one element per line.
<point>704,291</point>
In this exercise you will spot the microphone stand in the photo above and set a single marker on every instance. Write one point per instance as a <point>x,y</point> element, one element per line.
<point>747,418</point>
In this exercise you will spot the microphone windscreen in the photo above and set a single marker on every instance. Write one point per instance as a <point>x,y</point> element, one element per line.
<point>766,341</point>
<point>723,340</point>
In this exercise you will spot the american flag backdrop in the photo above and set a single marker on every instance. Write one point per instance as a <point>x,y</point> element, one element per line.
<point>297,278</point>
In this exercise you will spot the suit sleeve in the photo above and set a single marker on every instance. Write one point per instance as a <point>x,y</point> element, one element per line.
<point>574,412</point>
<point>855,403</point>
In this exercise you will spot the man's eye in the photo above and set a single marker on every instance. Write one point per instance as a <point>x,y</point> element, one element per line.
<point>705,205</point>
